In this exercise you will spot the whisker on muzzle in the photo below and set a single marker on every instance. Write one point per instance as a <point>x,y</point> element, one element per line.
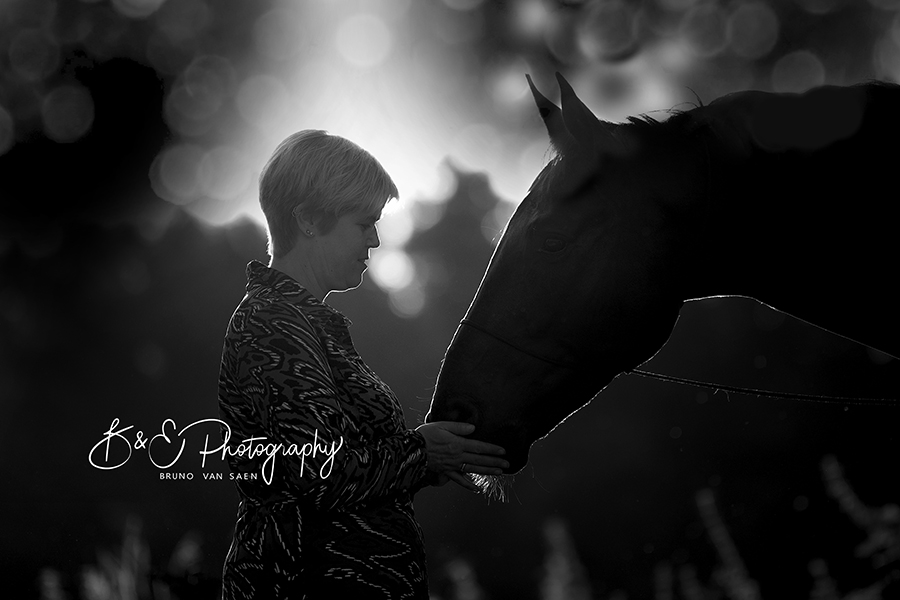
<point>495,487</point>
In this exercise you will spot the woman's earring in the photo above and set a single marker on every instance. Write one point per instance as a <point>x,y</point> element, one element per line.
<point>296,213</point>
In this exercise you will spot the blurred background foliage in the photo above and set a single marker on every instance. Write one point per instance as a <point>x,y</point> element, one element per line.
<point>131,136</point>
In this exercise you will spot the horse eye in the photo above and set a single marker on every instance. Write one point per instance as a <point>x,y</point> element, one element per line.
<point>552,244</point>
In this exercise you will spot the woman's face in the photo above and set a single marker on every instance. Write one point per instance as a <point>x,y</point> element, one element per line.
<point>344,250</point>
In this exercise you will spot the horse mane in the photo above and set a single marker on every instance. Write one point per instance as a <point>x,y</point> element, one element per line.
<point>724,122</point>
<point>644,128</point>
<point>684,124</point>
<point>772,122</point>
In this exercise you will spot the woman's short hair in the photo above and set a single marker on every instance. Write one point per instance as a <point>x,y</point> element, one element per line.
<point>321,176</point>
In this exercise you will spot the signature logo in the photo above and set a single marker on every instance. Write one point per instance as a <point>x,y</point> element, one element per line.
<point>171,440</point>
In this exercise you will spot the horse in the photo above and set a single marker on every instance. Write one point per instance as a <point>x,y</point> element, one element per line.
<point>784,198</point>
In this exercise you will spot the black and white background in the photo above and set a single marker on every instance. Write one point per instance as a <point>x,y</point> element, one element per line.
<point>131,136</point>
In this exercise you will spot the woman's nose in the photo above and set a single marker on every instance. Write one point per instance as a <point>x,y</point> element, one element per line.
<point>374,240</point>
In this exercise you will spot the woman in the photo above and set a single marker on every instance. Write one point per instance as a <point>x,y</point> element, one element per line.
<point>326,511</point>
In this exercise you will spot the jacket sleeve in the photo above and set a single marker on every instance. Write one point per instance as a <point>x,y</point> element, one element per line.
<point>313,447</point>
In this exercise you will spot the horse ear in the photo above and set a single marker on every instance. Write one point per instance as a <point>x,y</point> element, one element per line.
<point>577,116</point>
<point>552,116</point>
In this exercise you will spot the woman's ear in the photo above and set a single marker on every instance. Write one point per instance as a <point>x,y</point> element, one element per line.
<point>305,222</point>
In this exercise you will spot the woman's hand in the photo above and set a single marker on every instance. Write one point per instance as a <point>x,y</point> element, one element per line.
<point>451,456</point>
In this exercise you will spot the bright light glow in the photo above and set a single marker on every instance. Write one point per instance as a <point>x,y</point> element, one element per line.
<point>275,34</point>
<point>509,85</point>
<point>531,18</point>
<point>364,40</point>
<point>411,113</point>
<point>263,101</point>
<point>391,269</point>
<point>414,101</point>
<point>223,173</point>
<point>476,146</point>
<point>395,227</point>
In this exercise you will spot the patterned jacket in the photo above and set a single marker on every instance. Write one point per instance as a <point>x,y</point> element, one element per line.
<point>296,396</point>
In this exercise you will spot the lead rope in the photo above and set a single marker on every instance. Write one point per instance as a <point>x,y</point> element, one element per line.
<point>766,393</point>
<point>702,384</point>
<point>753,391</point>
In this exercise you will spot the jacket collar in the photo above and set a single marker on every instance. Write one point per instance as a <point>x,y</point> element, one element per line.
<point>261,277</point>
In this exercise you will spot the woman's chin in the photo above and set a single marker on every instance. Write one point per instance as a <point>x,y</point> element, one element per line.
<point>351,283</point>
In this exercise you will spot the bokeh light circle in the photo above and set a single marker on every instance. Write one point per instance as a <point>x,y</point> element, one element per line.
<point>199,93</point>
<point>67,113</point>
<point>508,86</point>
<point>753,30</point>
<point>33,55</point>
<point>886,59</point>
<point>797,72</point>
<point>531,18</point>
<point>174,173</point>
<point>391,269</point>
<point>408,302</point>
<point>395,227</point>
<point>818,7</point>
<point>223,173</point>
<point>704,29</point>
<point>137,9</point>
<point>608,31</point>
<point>182,21</point>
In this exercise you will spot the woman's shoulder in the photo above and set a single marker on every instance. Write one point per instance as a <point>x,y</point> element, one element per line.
<point>265,312</point>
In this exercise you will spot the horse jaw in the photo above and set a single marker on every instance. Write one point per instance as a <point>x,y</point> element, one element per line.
<point>469,404</point>
<point>513,399</point>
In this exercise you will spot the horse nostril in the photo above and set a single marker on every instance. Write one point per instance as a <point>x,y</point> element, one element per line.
<point>459,409</point>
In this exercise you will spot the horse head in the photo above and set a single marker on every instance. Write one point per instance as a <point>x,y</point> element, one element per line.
<point>581,287</point>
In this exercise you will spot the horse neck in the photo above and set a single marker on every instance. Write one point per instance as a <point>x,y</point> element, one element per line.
<point>808,232</point>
